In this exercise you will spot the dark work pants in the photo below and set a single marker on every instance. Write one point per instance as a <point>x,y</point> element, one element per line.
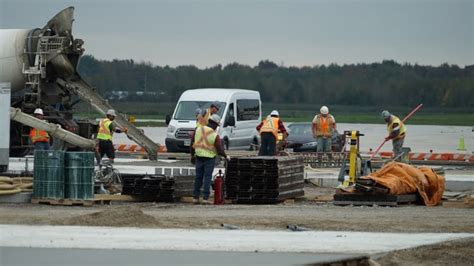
<point>268,144</point>
<point>204,169</point>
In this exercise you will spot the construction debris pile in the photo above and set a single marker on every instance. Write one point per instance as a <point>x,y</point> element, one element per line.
<point>264,179</point>
<point>157,187</point>
<point>402,179</point>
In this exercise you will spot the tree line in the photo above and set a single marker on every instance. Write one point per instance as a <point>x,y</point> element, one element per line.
<point>387,83</point>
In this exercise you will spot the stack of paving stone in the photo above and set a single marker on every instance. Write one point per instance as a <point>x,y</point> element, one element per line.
<point>264,179</point>
<point>157,187</point>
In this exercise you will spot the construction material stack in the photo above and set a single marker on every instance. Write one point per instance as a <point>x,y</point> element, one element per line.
<point>159,188</point>
<point>264,179</point>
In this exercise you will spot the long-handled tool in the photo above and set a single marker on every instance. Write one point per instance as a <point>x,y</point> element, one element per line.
<point>403,121</point>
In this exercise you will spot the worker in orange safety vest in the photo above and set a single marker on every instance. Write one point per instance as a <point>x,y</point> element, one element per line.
<point>323,126</point>
<point>39,138</point>
<point>268,129</point>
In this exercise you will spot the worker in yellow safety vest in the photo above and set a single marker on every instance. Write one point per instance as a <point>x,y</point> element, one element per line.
<point>396,132</point>
<point>104,135</point>
<point>269,129</point>
<point>323,127</point>
<point>205,114</point>
<point>206,145</point>
<point>39,138</point>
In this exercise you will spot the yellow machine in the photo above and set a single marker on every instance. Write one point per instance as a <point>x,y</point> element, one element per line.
<point>357,166</point>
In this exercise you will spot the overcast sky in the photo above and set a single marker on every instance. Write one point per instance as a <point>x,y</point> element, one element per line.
<point>294,33</point>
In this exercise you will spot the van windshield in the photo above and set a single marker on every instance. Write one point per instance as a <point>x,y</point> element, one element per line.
<point>186,109</point>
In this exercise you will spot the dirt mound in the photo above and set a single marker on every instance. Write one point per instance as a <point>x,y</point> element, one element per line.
<point>448,253</point>
<point>115,216</point>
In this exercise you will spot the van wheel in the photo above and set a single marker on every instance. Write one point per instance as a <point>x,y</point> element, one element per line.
<point>226,144</point>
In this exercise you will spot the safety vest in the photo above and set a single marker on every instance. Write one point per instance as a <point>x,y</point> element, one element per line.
<point>401,127</point>
<point>270,124</point>
<point>104,129</point>
<point>38,135</point>
<point>324,125</point>
<point>203,120</point>
<point>204,140</point>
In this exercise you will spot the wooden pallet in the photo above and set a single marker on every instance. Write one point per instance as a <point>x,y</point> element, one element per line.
<point>362,199</point>
<point>63,202</point>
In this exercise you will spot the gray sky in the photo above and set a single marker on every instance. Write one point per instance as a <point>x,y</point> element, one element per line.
<point>296,33</point>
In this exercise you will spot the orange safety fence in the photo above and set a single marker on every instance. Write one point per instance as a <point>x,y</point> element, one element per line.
<point>134,148</point>
<point>430,156</point>
<point>402,178</point>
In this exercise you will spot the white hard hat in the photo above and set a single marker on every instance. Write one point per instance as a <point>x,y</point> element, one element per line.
<point>275,113</point>
<point>111,112</point>
<point>38,111</point>
<point>216,118</point>
<point>324,110</point>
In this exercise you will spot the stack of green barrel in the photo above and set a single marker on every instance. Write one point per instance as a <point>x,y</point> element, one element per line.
<point>79,181</point>
<point>48,179</point>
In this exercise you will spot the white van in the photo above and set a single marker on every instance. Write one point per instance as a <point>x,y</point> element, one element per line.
<point>240,112</point>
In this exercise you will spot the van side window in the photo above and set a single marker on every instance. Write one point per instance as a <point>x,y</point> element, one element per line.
<point>248,110</point>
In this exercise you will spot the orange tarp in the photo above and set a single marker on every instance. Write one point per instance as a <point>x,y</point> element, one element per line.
<point>402,178</point>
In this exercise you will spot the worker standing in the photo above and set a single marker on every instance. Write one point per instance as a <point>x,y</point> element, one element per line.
<point>205,146</point>
<point>269,128</point>
<point>205,115</point>
<point>39,138</point>
<point>396,132</point>
<point>104,135</point>
<point>324,125</point>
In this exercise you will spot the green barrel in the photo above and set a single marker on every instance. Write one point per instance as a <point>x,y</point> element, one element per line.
<point>48,180</point>
<point>79,181</point>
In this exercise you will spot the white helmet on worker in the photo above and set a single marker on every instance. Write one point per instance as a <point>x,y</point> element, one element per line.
<point>274,113</point>
<point>38,111</point>
<point>215,118</point>
<point>111,112</point>
<point>324,110</point>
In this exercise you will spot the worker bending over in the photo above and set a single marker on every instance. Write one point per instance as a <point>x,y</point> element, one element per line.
<point>396,132</point>
<point>39,138</point>
<point>324,125</point>
<point>268,129</point>
<point>205,146</point>
<point>104,135</point>
<point>205,114</point>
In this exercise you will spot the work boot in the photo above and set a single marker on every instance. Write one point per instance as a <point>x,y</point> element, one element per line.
<point>206,202</point>
<point>195,201</point>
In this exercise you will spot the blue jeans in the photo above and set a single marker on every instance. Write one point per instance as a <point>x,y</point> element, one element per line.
<point>323,144</point>
<point>39,146</point>
<point>204,169</point>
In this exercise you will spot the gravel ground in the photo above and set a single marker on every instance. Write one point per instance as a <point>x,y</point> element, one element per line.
<point>307,213</point>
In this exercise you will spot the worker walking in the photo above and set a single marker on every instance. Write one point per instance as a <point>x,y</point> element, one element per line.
<point>104,135</point>
<point>205,146</point>
<point>39,138</point>
<point>324,125</point>
<point>269,128</point>
<point>396,132</point>
<point>205,114</point>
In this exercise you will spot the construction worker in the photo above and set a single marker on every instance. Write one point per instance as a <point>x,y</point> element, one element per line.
<point>39,138</point>
<point>205,114</point>
<point>205,146</point>
<point>324,125</point>
<point>396,132</point>
<point>269,128</point>
<point>104,135</point>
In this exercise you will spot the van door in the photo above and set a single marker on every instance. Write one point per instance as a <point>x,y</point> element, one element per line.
<point>228,130</point>
<point>247,118</point>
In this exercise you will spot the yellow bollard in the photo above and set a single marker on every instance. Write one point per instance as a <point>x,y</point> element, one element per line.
<point>461,146</point>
